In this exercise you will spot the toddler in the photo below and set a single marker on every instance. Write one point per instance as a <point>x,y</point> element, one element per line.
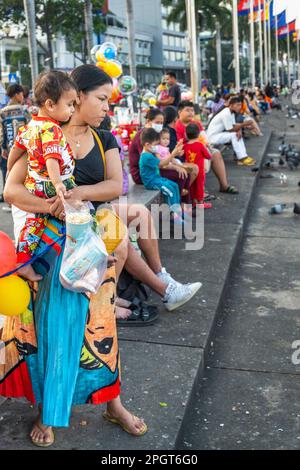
<point>150,164</point>
<point>50,159</point>
<point>196,152</point>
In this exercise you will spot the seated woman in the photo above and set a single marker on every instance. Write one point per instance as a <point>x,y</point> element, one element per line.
<point>155,119</point>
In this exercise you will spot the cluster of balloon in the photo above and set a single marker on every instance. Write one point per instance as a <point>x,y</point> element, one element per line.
<point>14,292</point>
<point>105,57</point>
<point>149,98</point>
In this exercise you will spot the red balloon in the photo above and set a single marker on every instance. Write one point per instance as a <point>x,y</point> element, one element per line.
<point>8,257</point>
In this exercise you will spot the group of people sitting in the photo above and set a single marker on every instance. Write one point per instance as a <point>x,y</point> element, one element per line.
<point>173,152</point>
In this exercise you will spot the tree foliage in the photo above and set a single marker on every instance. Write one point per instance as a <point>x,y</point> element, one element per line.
<point>53,17</point>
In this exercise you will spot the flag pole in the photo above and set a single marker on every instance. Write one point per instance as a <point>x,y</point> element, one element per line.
<point>261,59</point>
<point>288,59</point>
<point>298,56</point>
<point>252,44</point>
<point>265,43</point>
<point>277,52</point>
<point>269,41</point>
<point>236,48</point>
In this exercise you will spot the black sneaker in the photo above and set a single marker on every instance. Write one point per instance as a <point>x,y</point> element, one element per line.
<point>1,198</point>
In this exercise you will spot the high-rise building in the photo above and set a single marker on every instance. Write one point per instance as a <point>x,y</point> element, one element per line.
<point>159,45</point>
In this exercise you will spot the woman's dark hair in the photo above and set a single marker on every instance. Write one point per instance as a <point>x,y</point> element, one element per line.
<point>152,113</point>
<point>88,78</point>
<point>192,131</point>
<point>170,114</point>
<point>149,136</point>
<point>14,89</point>
<point>51,85</point>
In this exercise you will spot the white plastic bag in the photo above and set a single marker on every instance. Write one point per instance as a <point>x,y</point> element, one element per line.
<point>85,257</point>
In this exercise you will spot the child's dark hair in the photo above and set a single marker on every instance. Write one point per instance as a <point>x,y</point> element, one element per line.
<point>165,130</point>
<point>51,85</point>
<point>192,131</point>
<point>149,136</point>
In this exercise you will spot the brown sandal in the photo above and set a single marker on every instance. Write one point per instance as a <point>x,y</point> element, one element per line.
<point>43,444</point>
<point>123,426</point>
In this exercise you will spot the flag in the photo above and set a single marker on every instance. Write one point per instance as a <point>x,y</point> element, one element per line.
<point>287,29</point>
<point>296,36</point>
<point>244,6</point>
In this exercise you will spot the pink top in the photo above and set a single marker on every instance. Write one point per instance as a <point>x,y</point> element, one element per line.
<point>163,152</point>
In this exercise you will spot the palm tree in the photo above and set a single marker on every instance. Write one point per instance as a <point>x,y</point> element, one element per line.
<point>213,14</point>
<point>131,37</point>
<point>88,27</point>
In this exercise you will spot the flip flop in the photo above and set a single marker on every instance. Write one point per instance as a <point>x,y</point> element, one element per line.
<point>43,444</point>
<point>230,190</point>
<point>124,427</point>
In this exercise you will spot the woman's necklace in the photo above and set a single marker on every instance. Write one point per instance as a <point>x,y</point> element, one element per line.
<point>77,141</point>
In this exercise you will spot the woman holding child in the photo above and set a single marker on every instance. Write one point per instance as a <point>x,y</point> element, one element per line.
<point>70,330</point>
<point>75,332</point>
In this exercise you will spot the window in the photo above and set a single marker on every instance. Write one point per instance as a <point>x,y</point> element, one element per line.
<point>172,56</point>
<point>177,27</point>
<point>165,40</point>
<point>178,41</point>
<point>172,41</point>
<point>164,24</point>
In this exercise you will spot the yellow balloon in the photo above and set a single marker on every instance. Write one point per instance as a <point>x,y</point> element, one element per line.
<point>152,101</point>
<point>113,68</point>
<point>100,57</point>
<point>14,296</point>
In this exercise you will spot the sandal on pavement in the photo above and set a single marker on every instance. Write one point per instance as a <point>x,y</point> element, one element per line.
<point>142,314</point>
<point>230,190</point>
<point>112,420</point>
<point>43,431</point>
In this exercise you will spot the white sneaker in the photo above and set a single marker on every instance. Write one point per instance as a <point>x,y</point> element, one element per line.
<point>178,294</point>
<point>165,277</point>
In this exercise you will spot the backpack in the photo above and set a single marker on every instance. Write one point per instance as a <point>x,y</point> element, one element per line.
<point>128,288</point>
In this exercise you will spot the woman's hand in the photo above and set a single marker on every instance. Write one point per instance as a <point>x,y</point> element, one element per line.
<point>74,195</point>
<point>178,150</point>
<point>56,208</point>
<point>181,172</point>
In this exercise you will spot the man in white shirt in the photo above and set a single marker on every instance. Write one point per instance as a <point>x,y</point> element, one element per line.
<point>223,129</point>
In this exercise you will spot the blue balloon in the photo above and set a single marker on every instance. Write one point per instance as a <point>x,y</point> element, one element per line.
<point>109,53</point>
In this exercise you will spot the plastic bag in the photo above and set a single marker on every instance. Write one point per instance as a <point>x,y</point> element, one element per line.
<point>85,257</point>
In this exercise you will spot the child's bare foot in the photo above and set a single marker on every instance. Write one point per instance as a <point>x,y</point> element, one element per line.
<point>27,272</point>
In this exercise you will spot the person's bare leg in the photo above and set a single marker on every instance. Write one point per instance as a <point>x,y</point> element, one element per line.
<point>138,268</point>
<point>148,242</point>
<point>218,167</point>
<point>115,409</point>
<point>194,173</point>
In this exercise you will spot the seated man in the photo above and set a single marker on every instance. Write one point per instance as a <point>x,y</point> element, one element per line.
<point>223,129</point>
<point>186,114</point>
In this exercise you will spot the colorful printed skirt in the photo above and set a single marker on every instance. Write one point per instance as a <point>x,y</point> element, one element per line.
<point>63,350</point>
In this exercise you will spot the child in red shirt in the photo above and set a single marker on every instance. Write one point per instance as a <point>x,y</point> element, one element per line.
<point>196,152</point>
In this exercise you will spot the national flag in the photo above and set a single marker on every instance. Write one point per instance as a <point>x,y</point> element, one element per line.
<point>287,29</point>
<point>244,6</point>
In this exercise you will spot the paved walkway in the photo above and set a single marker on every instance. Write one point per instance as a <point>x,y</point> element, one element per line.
<point>249,398</point>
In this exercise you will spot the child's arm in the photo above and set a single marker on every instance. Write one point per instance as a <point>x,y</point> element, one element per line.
<point>13,157</point>
<point>166,161</point>
<point>53,168</point>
